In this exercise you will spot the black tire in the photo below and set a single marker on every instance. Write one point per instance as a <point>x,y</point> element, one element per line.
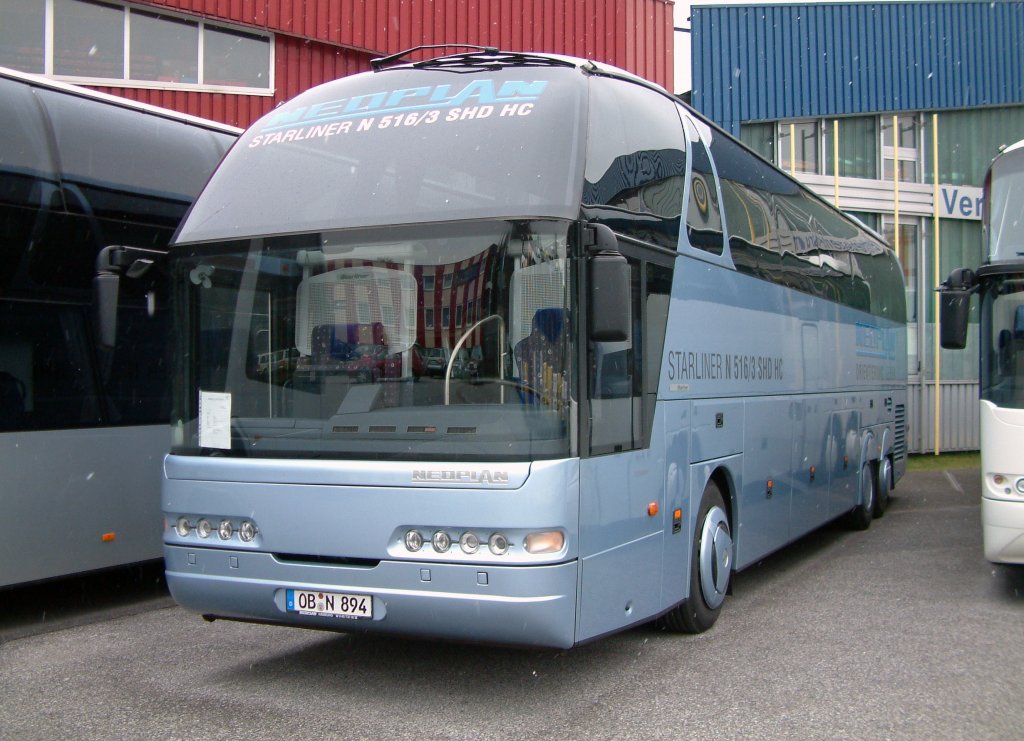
<point>708,586</point>
<point>883,485</point>
<point>860,516</point>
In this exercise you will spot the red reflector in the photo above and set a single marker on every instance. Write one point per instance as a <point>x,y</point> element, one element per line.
<point>108,537</point>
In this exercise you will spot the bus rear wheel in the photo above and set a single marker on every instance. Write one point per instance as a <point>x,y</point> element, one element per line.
<point>883,486</point>
<point>711,563</point>
<point>860,516</point>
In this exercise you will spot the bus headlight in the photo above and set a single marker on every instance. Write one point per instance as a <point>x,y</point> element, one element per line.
<point>469,543</point>
<point>204,528</point>
<point>225,531</point>
<point>549,542</point>
<point>1020,486</point>
<point>413,540</point>
<point>183,527</point>
<point>441,541</point>
<point>498,544</point>
<point>247,531</point>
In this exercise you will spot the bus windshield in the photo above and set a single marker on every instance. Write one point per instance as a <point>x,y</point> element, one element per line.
<point>1002,326</point>
<point>404,146</point>
<point>1004,225</point>
<point>450,340</point>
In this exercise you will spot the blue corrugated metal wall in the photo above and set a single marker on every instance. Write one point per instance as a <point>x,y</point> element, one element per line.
<point>771,62</point>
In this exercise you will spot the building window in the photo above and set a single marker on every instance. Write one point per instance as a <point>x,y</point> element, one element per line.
<point>799,146</point>
<point>458,315</point>
<point>428,282</point>
<point>428,318</point>
<point>908,248</point>
<point>86,42</point>
<point>901,154</point>
<point>164,49</point>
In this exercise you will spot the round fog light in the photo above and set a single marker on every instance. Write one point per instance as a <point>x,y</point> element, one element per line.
<point>204,528</point>
<point>498,544</point>
<point>247,531</point>
<point>413,540</point>
<point>183,528</point>
<point>1020,486</point>
<point>469,543</point>
<point>441,541</point>
<point>225,531</point>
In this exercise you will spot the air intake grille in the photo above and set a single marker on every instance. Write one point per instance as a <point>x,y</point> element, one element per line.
<point>899,448</point>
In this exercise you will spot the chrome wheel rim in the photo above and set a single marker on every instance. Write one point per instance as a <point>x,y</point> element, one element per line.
<point>867,489</point>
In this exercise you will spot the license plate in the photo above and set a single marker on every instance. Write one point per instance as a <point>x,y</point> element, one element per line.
<point>329,604</point>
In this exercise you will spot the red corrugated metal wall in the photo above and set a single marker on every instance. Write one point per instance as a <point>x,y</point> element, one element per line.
<point>318,40</point>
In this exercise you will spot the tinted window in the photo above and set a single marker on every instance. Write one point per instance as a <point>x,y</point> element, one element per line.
<point>703,212</point>
<point>403,146</point>
<point>118,164</point>
<point>46,376</point>
<point>780,232</point>
<point>26,161</point>
<point>636,161</point>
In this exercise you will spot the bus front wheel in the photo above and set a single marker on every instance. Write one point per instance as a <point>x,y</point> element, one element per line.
<point>711,563</point>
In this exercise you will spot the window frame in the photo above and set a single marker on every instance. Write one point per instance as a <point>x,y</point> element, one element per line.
<point>896,154</point>
<point>782,155</point>
<point>125,80</point>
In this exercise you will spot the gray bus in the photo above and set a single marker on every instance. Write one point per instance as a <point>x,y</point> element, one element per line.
<point>676,360</point>
<point>83,428</point>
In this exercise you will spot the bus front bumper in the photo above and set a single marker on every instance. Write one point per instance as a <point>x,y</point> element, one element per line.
<point>1002,530</point>
<point>514,605</point>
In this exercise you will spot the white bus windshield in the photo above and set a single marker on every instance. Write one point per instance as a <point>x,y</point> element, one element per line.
<point>1002,326</point>
<point>448,340</point>
<point>1006,208</point>
<point>403,146</point>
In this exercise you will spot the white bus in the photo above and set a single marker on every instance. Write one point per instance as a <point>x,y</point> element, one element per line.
<point>83,427</point>
<point>999,283</point>
<point>667,360</point>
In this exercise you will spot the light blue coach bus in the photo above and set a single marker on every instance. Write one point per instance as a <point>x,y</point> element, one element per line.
<point>665,359</point>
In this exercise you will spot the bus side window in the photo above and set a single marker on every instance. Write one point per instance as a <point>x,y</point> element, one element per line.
<point>636,162</point>
<point>703,212</point>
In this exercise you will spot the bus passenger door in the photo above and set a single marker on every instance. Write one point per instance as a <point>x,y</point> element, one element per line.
<point>622,479</point>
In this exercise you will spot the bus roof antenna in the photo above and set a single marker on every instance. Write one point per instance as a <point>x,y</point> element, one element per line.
<point>380,62</point>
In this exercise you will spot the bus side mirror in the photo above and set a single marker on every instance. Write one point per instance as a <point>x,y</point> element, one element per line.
<point>106,284</point>
<point>609,289</point>
<point>954,308</point>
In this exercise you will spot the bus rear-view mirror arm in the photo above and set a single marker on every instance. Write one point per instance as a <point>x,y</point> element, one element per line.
<point>609,288</point>
<point>111,263</point>
<point>955,306</point>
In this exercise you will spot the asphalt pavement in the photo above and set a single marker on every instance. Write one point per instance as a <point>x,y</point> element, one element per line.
<point>902,631</point>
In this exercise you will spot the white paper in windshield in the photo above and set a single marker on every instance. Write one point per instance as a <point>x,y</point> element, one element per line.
<point>215,420</point>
